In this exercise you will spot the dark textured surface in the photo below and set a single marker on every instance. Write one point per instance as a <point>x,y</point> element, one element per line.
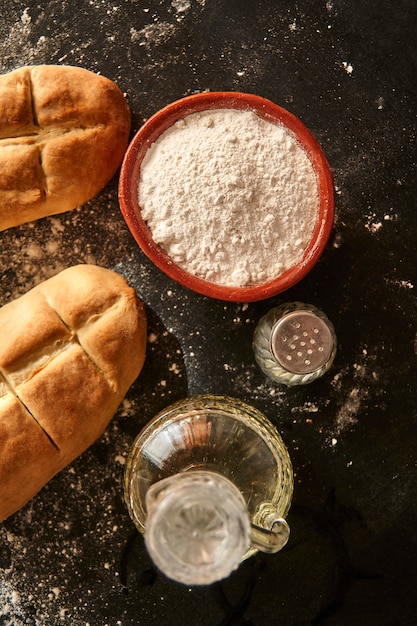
<point>348,70</point>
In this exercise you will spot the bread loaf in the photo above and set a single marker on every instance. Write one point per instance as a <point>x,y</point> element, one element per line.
<point>63,133</point>
<point>70,349</point>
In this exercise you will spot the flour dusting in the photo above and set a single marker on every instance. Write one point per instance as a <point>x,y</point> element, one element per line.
<point>152,34</point>
<point>230,197</point>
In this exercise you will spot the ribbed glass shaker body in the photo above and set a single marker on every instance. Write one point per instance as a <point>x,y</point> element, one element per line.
<point>233,449</point>
<point>294,343</point>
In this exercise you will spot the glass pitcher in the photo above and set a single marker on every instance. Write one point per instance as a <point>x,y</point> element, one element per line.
<point>208,482</point>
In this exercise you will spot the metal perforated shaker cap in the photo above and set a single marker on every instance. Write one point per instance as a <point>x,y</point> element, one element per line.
<point>301,342</point>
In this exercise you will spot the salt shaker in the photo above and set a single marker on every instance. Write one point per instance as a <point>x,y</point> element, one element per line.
<point>294,343</point>
<point>208,482</point>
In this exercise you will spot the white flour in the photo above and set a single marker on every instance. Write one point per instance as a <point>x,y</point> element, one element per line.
<point>230,197</point>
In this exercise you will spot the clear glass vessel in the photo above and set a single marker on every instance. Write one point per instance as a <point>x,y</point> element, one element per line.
<point>294,343</point>
<point>208,481</point>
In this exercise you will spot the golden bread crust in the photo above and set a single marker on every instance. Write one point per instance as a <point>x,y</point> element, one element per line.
<point>63,133</point>
<point>73,346</point>
<point>21,438</point>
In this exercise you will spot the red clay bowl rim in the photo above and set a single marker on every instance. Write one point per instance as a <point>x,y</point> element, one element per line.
<point>268,110</point>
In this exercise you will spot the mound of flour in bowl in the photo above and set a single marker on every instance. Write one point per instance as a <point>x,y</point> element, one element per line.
<point>231,198</point>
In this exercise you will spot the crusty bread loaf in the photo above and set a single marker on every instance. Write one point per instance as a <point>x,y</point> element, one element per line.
<point>71,347</point>
<point>63,133</point>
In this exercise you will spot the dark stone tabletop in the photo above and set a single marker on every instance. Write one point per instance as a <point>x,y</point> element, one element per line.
<point>348,70</point>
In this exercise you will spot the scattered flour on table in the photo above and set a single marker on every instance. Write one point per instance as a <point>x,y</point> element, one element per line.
<point>348,67</point>
<point>365,377</point>
<point>152,34</point>
<point>230,197</point>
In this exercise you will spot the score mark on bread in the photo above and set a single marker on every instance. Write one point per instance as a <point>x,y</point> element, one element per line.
<point>63,133</point>
<point>71,348</point>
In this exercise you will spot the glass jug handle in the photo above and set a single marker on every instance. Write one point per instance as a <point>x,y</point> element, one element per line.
<point>270,540</point>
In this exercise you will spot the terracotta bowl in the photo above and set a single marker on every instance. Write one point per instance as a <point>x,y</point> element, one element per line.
<point>131,211</point>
